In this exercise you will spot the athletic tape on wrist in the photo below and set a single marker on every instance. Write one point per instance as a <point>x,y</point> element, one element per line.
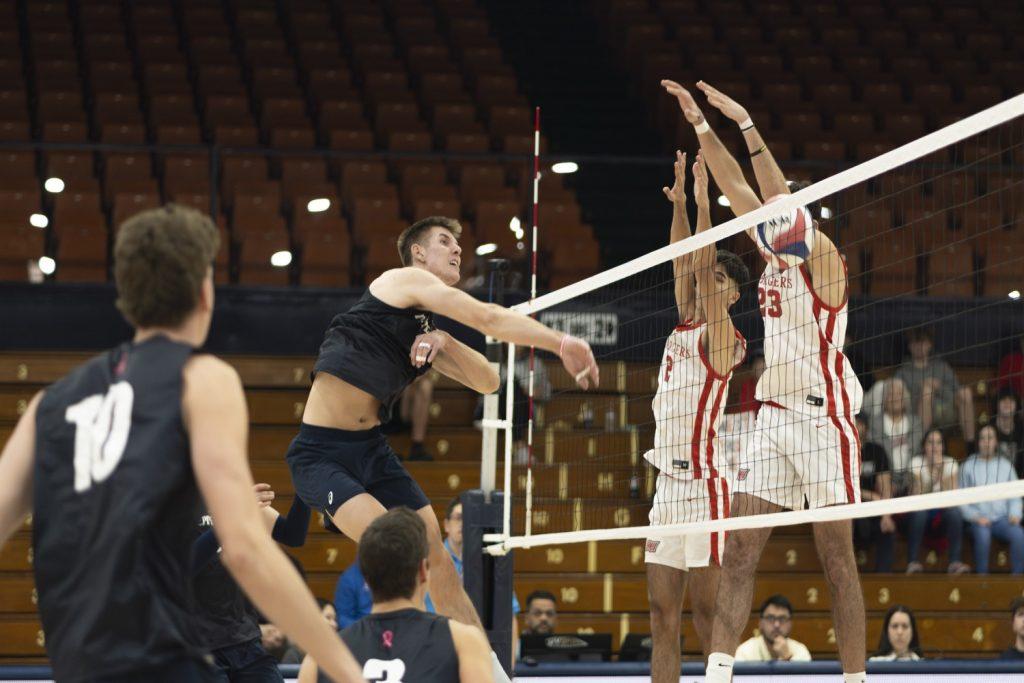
<point>702,127</point>
<point>746,124</point>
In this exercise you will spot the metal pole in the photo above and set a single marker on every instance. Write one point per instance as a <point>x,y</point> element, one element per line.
<point>496,269</point>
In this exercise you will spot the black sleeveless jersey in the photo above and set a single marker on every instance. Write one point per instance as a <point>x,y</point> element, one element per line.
<point>224,616</point>
<point>404,645</point>
<point>369,346</point>
<point>114,517</point>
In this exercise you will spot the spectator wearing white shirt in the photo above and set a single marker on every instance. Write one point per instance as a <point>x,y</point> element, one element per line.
<point>934,471</point>
<point>773,643</point>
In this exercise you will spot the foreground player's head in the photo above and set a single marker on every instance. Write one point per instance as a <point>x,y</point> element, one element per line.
<point>393,555</point>
<point>433,244</point>
<point>163,271</point>
<point>730,275</point>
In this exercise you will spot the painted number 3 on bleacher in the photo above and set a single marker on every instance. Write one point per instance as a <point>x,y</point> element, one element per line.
<point>101,433</point>
<point>384,670</point>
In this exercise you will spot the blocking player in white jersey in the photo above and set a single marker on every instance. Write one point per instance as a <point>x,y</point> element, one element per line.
<point>805,451</point>
<point>700,356</point>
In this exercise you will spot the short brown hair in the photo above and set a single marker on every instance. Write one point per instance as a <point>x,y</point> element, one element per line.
<point>1016,604</point>
<point>161,257</point>
<point>416,232</point>
<point>390,553</point>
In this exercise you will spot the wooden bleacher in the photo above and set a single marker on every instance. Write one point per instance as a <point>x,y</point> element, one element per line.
<point>600,586</point>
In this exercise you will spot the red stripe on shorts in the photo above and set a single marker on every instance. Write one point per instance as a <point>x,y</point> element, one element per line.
<point>713,494</point>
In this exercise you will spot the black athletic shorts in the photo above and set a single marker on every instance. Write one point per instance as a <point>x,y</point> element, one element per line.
<point>246,663</point>
<point>332,466</point>
<point>179,671</point>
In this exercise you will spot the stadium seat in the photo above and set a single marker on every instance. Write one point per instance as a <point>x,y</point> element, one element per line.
<point>18,172</point>
<point>126,173</point>
<point>127,205</point>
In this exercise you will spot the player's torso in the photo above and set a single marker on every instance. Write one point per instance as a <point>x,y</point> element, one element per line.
<point>805,369</point>
<point>368,347</point>
<point>405,645</point>
<point>115,509</point>
<point>688,406</point>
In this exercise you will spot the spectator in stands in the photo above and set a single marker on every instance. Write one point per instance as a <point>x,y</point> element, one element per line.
<point>898,431</point>
<point>520,389</point>
<point>875,484</point>
<point>898,641</point>
<point>1009,429</point>
<point>935,471</point>
<point>541,614</point>
<point>453,544</point>
<point>774,643</point>
<point>1011,369</point>
<point>938,399</point>
<point>998,518</point>
<point>1016,651</point>
<point>748,403</point>
<point>352,599</point>
<point>414,409</point>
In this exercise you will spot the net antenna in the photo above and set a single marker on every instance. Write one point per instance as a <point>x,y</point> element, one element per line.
<point>980,122</point>
<point>533,350</point>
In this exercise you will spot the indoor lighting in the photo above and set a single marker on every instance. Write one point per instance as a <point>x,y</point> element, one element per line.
<point>723,200</point>
<point>281,258</point>
<point>318,205</point>
<point>47,265</point>
<point>515,225</point>
<point>1015,294</point>
<point>485,249</point>
<point>826,213</point>
<point>565,167</point>
<point>38,220</point>
<point>54,185</point>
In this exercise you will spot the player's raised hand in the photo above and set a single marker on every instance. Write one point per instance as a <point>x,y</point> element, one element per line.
<point>689,106</point>
<point>723,103</point>
<point>579,361</point>
<point>677,194</point>
<point>700,182</point>
<point>425,347</point>
<point>264,495</point>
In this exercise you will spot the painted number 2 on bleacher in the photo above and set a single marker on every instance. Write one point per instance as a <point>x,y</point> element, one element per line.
<point>101,433</point>
<point>384,670</point>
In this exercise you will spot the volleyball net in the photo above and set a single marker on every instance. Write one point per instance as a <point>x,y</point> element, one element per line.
<point>931,236</point>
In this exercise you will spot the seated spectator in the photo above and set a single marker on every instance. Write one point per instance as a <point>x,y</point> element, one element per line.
<point>875,484</point>
<point>398,640</point>
<point>998,518</point>
<point>352,599</point>
<point>938,398</point>
<point>935,471</point>
<point>774,643</point>
<point>414,409</point>
<point>1009,429</point>
<point>541,614</point>
<point>1011,370</point>
<point>1016,650</point>
<point>899,432</point>
<point>899,641</point>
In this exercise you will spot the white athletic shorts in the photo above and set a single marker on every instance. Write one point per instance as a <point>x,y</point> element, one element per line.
<point>797,460</point>
<point>677,501</point>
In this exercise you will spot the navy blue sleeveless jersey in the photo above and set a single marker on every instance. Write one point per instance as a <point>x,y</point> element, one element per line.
<point>368,346</point>
<point>404,645</point>
<point>114,517</point>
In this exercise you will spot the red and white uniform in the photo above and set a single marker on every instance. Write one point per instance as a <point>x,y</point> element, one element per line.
<point>692,485</point>
<point>805,445</point>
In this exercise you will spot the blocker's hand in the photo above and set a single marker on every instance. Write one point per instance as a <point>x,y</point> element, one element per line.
<point>426,347</point>
<point>579,361</point>
<point>723,103</point>
<point>700,183</point>
<point>689,106</point>
<point>677,195</point>
<point>264,495</point>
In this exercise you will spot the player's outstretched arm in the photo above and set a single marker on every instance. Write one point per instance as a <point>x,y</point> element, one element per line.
<point>682,267</point>
<point>16,464</point>
<point>417,288</point>
<point>216,418</point>
<point>724,167</point>
<point>454,359</point>
<point>769,176</point>
<point>474,653</point>
<point>714,299</point>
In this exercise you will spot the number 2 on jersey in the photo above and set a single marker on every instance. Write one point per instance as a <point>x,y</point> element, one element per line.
<point>384,670</point>
<point>101,433</point>
<point>770,302</point>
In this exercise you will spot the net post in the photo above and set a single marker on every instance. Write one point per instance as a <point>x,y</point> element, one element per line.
<point>509,405</point>
<point>488,578</point>
<point>496,269</point>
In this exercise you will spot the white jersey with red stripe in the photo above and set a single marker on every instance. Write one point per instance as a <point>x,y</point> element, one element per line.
<point>805,369</point>
<point>688,406</point>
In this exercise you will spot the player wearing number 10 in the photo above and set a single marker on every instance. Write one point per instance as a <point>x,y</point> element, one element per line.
<point>805,449</point>
<point>108,460</point>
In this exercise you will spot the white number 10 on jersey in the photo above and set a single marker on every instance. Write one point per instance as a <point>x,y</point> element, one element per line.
<point>101,433</point>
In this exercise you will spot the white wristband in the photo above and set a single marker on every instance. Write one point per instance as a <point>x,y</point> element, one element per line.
<point>702,127</point>
<point>747,123</point>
